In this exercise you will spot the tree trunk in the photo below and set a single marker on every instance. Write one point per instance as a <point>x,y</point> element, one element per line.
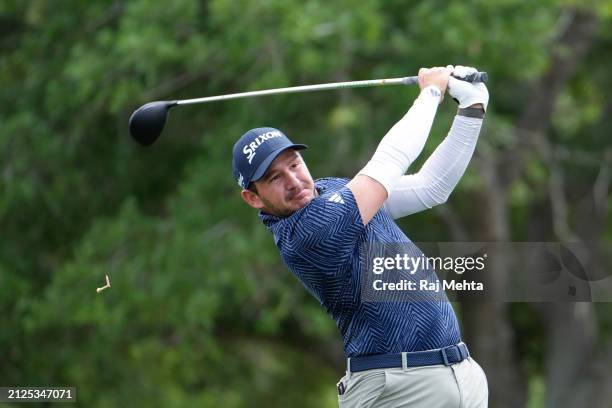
<point>487,328</point>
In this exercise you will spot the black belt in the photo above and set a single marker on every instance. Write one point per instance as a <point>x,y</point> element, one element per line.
<point>447,356</point>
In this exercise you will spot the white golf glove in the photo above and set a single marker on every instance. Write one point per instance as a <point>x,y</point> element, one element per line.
<point>466,93</point>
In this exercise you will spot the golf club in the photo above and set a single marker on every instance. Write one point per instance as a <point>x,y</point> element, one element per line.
<point>147,122</point>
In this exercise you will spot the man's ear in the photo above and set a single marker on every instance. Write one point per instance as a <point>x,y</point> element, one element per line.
<point>252,199</point>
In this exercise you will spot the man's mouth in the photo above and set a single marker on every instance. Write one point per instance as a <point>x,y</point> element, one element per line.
<point>301,195</point>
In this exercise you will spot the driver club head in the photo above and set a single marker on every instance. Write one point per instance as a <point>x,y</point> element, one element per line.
<point>148,121</point>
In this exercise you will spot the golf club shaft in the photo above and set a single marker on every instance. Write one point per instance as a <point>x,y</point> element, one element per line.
<point>305,88</point>
<point>477,77</point>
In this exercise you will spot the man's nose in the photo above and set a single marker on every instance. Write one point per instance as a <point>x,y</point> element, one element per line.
<point>292,181</point>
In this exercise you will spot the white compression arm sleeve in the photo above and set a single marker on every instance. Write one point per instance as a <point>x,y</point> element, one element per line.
<point>440,174</point>
<point>404,141</point>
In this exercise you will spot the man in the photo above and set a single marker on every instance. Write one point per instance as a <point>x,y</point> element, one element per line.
<point>399,353</point>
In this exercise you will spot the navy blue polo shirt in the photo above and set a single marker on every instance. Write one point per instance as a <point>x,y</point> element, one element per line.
<point>320,243</point>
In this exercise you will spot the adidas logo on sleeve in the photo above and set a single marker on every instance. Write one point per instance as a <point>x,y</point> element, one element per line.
<point>336,198</point>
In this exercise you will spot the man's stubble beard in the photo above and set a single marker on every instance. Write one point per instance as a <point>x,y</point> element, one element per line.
<point>286,212</point>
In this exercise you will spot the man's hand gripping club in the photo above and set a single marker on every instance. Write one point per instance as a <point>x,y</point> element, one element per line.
<point>467,94</point>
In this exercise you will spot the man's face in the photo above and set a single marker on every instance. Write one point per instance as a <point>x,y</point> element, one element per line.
<point>286,187</point>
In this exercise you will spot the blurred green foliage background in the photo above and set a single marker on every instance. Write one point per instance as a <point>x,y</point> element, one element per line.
<point>201,311</point>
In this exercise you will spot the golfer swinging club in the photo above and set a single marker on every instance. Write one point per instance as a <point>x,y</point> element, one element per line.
<point>399,354</point>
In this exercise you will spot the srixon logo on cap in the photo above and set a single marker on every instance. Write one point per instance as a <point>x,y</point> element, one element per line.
<point>249,149</point>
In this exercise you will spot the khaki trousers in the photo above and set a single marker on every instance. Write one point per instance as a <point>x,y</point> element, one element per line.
<point>461,385</point>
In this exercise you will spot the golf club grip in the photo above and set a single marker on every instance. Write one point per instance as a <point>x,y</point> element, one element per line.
<point>475,77</point>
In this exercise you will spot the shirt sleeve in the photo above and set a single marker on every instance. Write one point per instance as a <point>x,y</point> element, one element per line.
<point>326,232</point>
<point>438,177</point>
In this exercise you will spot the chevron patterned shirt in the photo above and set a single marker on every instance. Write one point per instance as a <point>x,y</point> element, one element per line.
<point>320,243</point>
